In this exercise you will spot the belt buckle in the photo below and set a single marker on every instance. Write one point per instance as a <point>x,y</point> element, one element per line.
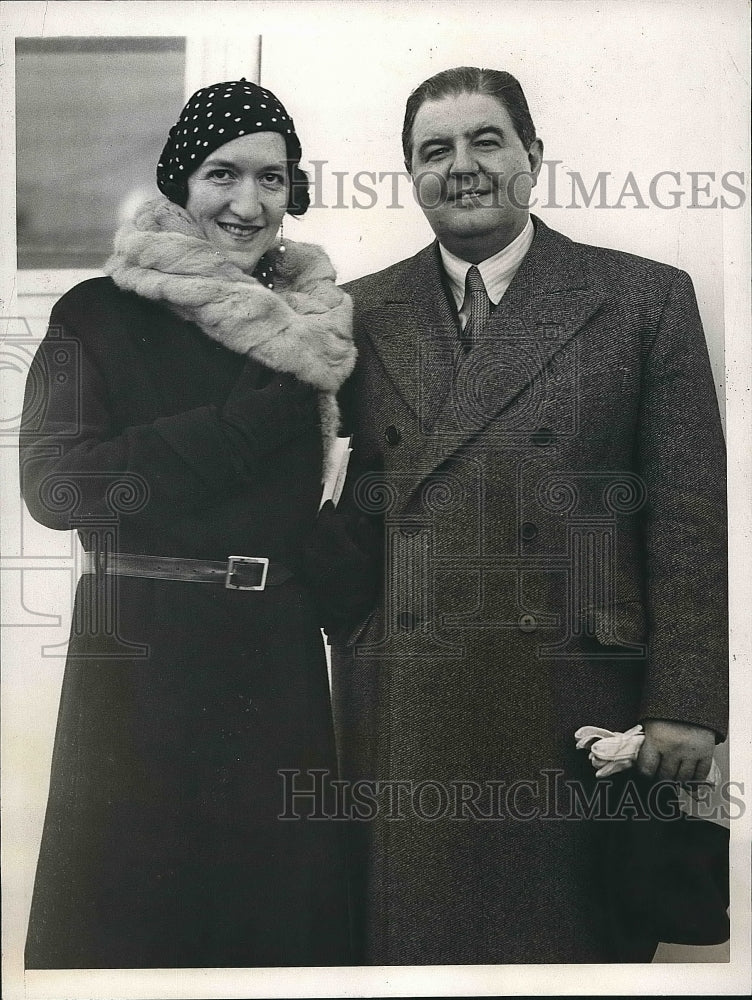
<point>232,561</point>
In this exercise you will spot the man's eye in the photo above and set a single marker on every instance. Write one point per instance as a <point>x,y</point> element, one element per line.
<point>219,174</point>
<point>273,179</point>
<point>435,152</point>
<point>487,143</point>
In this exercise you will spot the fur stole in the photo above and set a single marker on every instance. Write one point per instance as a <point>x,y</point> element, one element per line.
<point>303,326</point>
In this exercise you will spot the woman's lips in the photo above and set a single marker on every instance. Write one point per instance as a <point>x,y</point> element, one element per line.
<point>240,232</point>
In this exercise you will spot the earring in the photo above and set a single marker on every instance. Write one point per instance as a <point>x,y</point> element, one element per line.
<point>282,248</point>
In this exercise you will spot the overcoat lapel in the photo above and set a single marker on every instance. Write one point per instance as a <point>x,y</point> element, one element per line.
<point>546,305</point>
<point>548,302</point>
<point>414,334</point>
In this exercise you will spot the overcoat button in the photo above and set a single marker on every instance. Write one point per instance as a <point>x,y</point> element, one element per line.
<point>528,531</point>
<point>392,435</point>
<point>542,437</point>
<point>528,623</point>
<point>407,621</point>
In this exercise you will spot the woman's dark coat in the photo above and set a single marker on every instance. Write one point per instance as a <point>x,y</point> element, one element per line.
<point>181,701</point>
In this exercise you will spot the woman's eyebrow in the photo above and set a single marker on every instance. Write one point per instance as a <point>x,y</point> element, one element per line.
<point>210,162</point>
<point>237,164</point>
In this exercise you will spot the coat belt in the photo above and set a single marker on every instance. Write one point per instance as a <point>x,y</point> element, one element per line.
<point>236,573</point>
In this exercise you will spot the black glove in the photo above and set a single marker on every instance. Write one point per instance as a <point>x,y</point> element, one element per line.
<point>342,565</point>
<point>257,421</point>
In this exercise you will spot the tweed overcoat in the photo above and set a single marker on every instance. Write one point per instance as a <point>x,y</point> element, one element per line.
<point>554,524</point>
<point>180,700</point>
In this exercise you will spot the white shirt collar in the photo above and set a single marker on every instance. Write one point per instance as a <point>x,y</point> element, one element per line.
<point>497,271</point>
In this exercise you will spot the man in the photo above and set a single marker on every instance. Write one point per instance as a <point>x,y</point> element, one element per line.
<point>535,422</point>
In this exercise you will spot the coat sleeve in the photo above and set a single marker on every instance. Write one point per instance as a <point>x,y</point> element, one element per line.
<point>77,467</point>
<point>682,462</point>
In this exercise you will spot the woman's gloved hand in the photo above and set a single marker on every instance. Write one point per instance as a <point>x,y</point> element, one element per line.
<point>260,420</point>
<point>342,566</point>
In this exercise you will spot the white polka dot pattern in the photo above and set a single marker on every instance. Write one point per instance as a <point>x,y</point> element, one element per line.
<point>244,108</point>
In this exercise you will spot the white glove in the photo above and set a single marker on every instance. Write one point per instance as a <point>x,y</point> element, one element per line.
<point>612,752</point>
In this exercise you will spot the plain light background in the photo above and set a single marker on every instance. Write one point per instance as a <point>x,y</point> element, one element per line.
<point>643,86</point>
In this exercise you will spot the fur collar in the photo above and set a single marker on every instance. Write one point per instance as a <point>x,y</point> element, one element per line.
<point>303,326</point>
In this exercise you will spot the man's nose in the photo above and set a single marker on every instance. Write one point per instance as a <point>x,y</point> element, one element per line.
<point>245,202</point>
<point>463,161</point>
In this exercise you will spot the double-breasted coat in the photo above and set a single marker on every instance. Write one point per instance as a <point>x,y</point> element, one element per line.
<point>181,701</point>
<point>553,505</point>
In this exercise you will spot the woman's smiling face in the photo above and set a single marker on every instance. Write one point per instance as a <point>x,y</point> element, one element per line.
<point>239,194</point>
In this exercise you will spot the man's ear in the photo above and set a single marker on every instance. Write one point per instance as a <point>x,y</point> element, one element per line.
<point>535,159</point>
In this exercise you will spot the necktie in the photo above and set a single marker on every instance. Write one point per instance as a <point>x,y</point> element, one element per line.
<point>480,307</point>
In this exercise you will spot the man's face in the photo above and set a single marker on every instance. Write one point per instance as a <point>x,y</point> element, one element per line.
<point>471,173</point>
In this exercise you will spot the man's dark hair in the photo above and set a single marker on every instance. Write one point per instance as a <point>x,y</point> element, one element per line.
<point>470,80</point>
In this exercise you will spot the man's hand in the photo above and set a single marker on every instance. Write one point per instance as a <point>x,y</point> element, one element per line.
<point>675,751</point>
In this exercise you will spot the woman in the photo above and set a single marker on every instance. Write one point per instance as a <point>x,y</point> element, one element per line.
<point>190,427</point>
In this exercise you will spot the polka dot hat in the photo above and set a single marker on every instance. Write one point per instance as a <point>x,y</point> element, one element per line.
<point>216,115</point>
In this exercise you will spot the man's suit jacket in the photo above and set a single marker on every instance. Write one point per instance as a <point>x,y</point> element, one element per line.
<point>554,516</point>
